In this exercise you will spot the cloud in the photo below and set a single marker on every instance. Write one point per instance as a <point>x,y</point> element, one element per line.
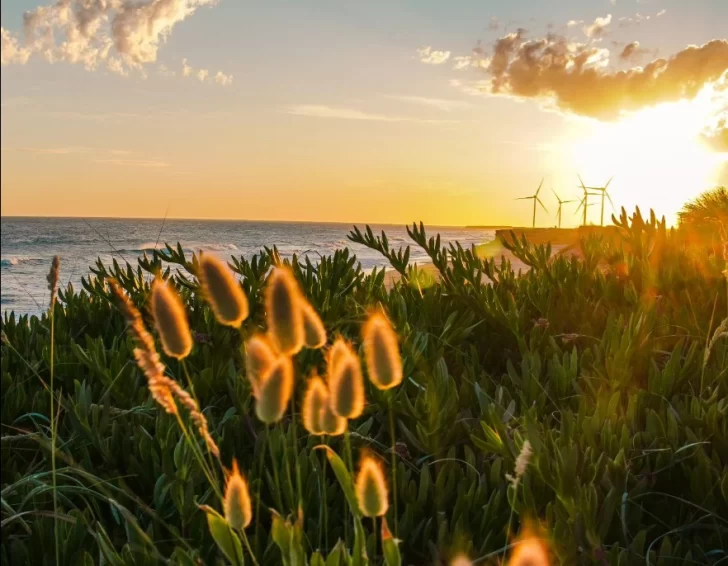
<point>12,52</point>
<point>598,28</point>
<point>203,75</point>
<point>637,19</point>
<point>494,24</point>
<point>71,150</point>
<point>223,79</point>
<point>574,76</point>
<point>323,111</point>
<point>574,23</point>
<point>439,103</point>
<point>632,52</point>
<point>431,57</point>
<point>117,34</point>
<point>134,162</point>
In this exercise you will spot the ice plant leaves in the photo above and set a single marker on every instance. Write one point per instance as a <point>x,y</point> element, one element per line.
<point>381,352</point>
<point>283,305</point>
<point>170,320</point>
<point>225,538</point>
<point>346,384</point>
<point>390,546</point>
<point>238,510</point>
<point>274,391</point>
<point>371,488</point>
<point>224,293</point>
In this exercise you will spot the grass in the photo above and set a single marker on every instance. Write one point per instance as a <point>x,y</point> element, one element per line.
<point>609,365</point>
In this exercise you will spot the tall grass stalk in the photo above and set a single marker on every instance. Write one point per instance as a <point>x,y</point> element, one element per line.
<point>52,287</point>
<point>299,489</point>
<point>198,456</point>
<point>210,455</point>
<point>274,464</point>
<point>394,462</point>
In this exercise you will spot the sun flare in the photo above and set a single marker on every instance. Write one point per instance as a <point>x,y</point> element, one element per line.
<point>658,156</point>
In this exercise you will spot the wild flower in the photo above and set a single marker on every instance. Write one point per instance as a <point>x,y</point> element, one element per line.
<point>381,352</point>
<point>313,328</point>
<point>371,488</point>
<point>224,293</point>
<point>259,356</point>
<point>346,384</point>
<point>238,509</point>
<point>274,391</point>
<point>283,305</point>
<point>524,457</point>
<point>170,319</point>
<point>52,278</point>
<point>165,391</point>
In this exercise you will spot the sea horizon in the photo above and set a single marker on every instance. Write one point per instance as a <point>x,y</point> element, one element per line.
<point>29,244</point>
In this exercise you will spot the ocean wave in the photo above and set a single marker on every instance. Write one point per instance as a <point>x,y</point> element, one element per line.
<point>189,247</point>
<point>18,259</point>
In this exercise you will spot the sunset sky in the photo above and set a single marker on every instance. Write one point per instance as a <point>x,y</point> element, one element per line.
<point>372,111</point>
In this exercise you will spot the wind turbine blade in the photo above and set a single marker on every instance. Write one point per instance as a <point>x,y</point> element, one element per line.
<point>557,196</point>
<point>524,198</point>
<point>610,199</point>
<point>539,187</point>
<point>610,180</point>
<point>582,182</point>
<point>542,205</point>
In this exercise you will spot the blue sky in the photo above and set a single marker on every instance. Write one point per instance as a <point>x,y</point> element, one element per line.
<point>320,111</point>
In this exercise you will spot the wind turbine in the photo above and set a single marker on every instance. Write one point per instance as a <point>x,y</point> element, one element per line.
<point>535,200</point>
<point>603,192</point>
<point>585,200</point>
<point>584,204</point>
<point>561,204</point>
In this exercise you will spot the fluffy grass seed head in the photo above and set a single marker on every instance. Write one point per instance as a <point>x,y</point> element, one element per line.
<point>371,488</point>
<point>224,293</point>
<point>524,457</point>
<point>52,278</point>
<point>313,329</point>
<point>315,400</point>
<point>171,320</point>
<point>461,560</point>
<point>275,390</point>
<point>381,352</point>
<point>529,550</point>
<point>238,509</point>
<point>284,311</point>
<point>346,384</point>
<point>318,418</point>
<point>259,357</point>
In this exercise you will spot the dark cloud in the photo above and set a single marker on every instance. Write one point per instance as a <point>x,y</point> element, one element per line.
<point>632,52</point>
<point>576,76</point>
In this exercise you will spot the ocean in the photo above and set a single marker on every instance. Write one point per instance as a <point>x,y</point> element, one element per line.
<point>29,244</point>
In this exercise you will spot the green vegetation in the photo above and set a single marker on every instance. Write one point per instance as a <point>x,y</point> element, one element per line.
<point>612,367</point>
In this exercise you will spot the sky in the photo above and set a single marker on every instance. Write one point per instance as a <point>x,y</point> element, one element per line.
<point>376,111</point>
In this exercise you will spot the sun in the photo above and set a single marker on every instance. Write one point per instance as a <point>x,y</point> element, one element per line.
<point>657,156</point>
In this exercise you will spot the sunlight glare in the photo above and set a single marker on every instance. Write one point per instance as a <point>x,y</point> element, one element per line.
<point>657,156</point>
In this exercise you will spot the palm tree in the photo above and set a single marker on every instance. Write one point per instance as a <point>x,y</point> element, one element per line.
<point>706,209</point>
<point>705,219</point>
